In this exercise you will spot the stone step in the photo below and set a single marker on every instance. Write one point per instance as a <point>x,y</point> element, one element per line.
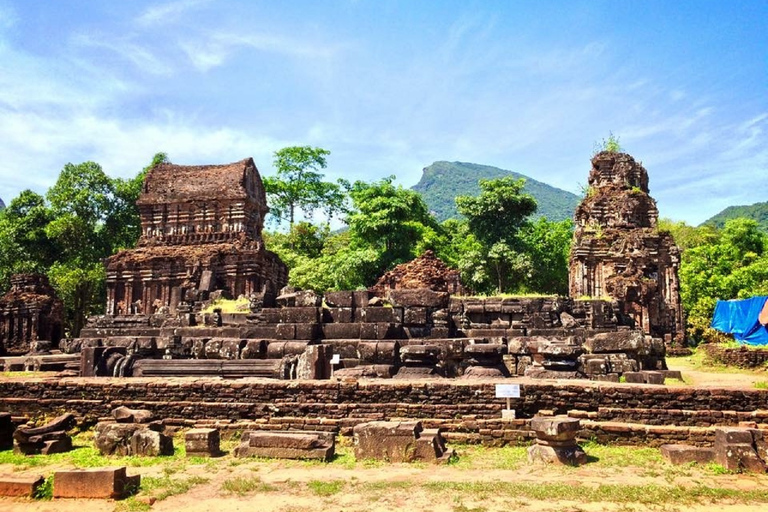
<point>20,486</point>
<point>269,368</point>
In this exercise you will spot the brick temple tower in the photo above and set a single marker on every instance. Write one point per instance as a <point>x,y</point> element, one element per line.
<point>200,232</point>
<point>618,251</point>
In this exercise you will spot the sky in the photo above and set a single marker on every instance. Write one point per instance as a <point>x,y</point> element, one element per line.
<point>388,87</point>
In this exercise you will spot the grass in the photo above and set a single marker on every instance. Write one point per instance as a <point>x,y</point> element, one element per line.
<point>241,485</point>
<point>761,384</point>
<point>326,488</point>
<point>615,493</point>
<point>165,486</point>
<point>229,306</point>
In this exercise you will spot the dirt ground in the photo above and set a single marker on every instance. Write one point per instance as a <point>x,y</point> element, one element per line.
<point>284,486</point>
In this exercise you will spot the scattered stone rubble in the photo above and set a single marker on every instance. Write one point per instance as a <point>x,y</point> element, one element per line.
<point>400,442</point>
<point>287,445</point>
<point>736,449</point>
<point>426,271</point>
<point>132,433</point>
<point>46,440</point>
<point>556,441</point>
<point>619,252</point>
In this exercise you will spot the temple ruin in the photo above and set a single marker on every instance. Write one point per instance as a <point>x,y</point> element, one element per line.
<point>201,232</point>
<point>30,316</point>
<point>619,253</point>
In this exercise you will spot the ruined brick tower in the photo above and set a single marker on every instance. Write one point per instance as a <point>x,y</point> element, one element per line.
<point>618,251</point>
<point>29,312</point>
<point>201,231</point>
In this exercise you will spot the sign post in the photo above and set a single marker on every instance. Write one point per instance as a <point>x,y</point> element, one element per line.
<point>335,359</point>
<point>508,391</point>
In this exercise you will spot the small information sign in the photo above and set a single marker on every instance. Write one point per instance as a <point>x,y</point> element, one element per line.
<point>336,359</point>
<point>507,390</point>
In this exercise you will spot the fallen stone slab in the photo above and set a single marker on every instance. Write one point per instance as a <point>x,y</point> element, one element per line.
<point>43,444</point>
<point>679,454</point>
<point>20,486</point>
<point>109,482</point>
<point>59,424</point>
<point>202,442</point>
<point>395,441</point>
<point>287,445</point>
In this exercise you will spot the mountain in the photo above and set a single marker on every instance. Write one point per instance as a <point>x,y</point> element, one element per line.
<point>2,204</point>
<point>441,182</point>
<point>757,212</point>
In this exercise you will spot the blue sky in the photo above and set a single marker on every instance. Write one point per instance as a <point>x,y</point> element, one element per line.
<point>389,87</point>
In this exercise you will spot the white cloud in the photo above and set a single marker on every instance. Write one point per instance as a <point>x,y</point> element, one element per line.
<point>166,13</point>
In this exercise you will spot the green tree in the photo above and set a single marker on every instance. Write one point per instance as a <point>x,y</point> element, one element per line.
<point>494,217</point>
<point>548,247</point>
<point>298,184</point>
<point>24,244</point>
<point>81,201</point>
<point>391,220</point>
<point>122,224</point>
<point>733,266</point>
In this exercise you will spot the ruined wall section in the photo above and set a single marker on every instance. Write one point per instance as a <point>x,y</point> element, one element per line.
<point>29,312</point>
<point>618,251</point>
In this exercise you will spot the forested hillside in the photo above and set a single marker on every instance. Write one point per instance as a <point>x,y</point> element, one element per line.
<point>757,212</point>
<point>443,181</point>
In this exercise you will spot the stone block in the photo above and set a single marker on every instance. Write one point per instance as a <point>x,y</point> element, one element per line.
<point>115,438</point>
<point>202,442</point>
<point>314,363</point>
<point>271,315</point>
<point>342,331</point>
<point>725,436</point>
<point>415,315</point>
<point>420,297</point>
<point>149,443</point>
<point>300,315</point>
<point>399,442</point>
<point>110,482</point>
<point>683,454</point>
<point>308,331</point>
<point>287,445</point>
<point>651,377</point>
<point>338,315</point>
<point>567,455</point>
<point>380,315</point>
<point>618,341</point>
<point>20,486</point>
<point>254,349</point>
<point>739,458</point>
<point>368,332</point>
<point>633,377</point>
<point>124,414</point>
<point>285,332</point>
<point>339,299</point>
<point>555,428</point>
<point>361,298</point>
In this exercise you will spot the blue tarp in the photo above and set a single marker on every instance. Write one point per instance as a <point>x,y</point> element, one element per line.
<point>739,317</point>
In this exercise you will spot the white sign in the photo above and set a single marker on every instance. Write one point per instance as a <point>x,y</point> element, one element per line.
<point>336,359</point>
<point>507,390</point>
